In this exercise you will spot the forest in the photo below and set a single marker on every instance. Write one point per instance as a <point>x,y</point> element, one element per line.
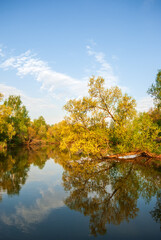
<point>101,124</point>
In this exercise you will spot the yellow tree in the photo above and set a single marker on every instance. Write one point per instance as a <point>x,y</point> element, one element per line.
<point>111,101</point>
<point>6,128</point>
<point>90,116</point>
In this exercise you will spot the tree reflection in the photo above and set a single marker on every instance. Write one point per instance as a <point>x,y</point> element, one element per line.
<point>108,191</point>
<point>14,168</point>
<point>156,213</point>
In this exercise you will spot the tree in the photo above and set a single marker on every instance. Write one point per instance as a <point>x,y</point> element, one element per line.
<point>18,118</point>
<point>6,128</point>
<point>155,90</point>
<point>40,127</point>
<point>111,101</point>
<point>89,117</point>
<point>155,114</point>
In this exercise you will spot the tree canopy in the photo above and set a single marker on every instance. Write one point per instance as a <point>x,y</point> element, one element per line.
<point>107,121</point>
<point>102,123</point>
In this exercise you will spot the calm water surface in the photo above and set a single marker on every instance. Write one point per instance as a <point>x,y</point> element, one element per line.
<point>45,195</point>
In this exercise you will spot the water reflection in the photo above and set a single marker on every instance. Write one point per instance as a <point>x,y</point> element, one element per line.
<point>156,213</point>
<point>14,167</point>
<point>23,217</point>
<point>30,169</point>
<point>108,191</point>
<point>105,191</point>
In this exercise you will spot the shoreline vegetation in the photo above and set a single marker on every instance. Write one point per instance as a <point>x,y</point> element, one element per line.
<point>104,124</point>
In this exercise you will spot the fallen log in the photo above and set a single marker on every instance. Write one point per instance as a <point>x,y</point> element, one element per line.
<point>133,155</point>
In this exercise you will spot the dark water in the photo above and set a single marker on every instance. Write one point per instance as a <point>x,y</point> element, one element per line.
<point>45,195</point>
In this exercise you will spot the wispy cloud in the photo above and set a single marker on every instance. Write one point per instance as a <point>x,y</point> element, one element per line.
<point>104,69</point>
<point>1,53</point>
<point>28,101</point>
<point>59,85</point>
<point>36,106</point>
<point>56,83</point>
<point>144,104</point>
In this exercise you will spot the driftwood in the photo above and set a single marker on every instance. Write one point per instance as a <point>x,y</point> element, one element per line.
<point>133,155</point>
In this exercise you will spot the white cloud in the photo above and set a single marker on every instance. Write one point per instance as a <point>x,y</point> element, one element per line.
<point>144,104</point>
<point>57,84</point>
<point>28,101</point>
<point>104,69</point>
<point>8,90</point>
<point>35,106</point>
<point>1,53</point>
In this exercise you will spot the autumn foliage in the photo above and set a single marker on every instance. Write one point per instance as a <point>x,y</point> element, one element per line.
<point>102,123</point>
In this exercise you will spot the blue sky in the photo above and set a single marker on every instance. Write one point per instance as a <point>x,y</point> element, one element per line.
<point>49,49</point>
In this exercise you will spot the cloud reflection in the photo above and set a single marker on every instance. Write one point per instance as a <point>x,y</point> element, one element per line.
<point>24,217</point>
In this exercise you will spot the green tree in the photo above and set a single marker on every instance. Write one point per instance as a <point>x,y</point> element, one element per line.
<point>155,90</point>
<point>40,127</point>
<point>107,122</point>
<point>155,114</point>
<point>139,134</point>
<point>18,118</point>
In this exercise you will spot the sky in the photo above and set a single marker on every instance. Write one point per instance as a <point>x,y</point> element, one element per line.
<point>49,49</point>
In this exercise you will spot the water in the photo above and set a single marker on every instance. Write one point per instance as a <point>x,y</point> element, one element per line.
<point>45,195</point>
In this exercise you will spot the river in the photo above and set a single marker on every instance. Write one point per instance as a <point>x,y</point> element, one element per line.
<point>46,195</point>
